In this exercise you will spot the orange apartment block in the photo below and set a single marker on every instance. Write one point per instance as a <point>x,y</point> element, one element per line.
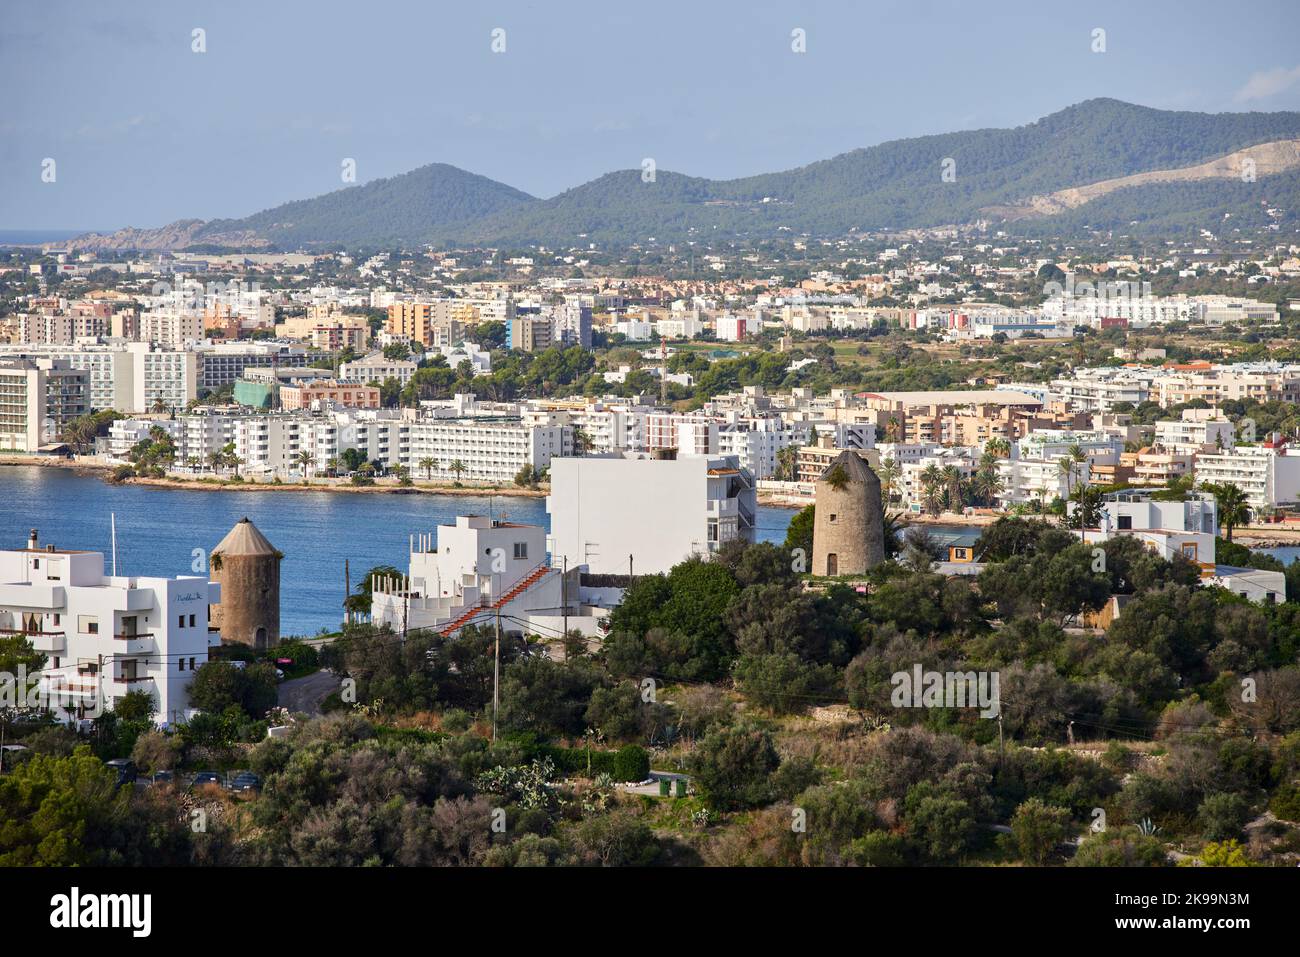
<point>302,395</point>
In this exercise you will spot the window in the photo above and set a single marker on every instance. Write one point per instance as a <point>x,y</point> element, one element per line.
<point>56,619</point>
<point>833,518</point>
<point>1124,522</point>
<point>182,664</point>
<point>191,664</point>
<point>180,621</point>
<point>191,621</point>
<point>521,550</point>
<point>87,625</point>
<point>1189,550</point>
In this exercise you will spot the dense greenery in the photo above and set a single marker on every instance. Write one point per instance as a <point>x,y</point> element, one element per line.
<point>772,693</point>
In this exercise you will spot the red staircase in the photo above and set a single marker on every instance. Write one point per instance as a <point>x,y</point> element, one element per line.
<point>525,583</point>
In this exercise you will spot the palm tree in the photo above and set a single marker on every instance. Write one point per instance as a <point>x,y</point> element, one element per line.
<point>931,488</point>
<point>457,467</point>
<point>1233,505</point>
<point>889,473</point>
<point>988,485</point>
<point>331,465</point>
<point>1067,465</point>
<point>894,525</point>
<point>216,460</point>
<point>953,487</point>
<point>305,460</point>
<point>998,446</point>
<point>428,465</point>
<point>894,429</point>
<point>582,441</point>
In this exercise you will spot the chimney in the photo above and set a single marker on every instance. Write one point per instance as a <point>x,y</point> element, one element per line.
<point>32,541</point>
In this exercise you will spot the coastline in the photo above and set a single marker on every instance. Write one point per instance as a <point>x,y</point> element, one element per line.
<point>383,486</point>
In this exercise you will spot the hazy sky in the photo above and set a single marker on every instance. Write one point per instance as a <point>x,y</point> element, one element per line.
<point>145,131</point>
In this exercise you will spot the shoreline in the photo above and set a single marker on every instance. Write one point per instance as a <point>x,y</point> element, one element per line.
<point>383,486</point>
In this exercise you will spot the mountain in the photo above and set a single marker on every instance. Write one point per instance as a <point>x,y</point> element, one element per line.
<point>1099,164</point>
<point>398,209</point>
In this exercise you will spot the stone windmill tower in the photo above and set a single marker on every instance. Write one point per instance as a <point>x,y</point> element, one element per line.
<point>248,568</point>
<point>849,523</point>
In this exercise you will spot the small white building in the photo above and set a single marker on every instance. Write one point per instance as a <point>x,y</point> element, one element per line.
<point>480,570</point>
<point>1187,528</point>
<point>105,636</point>
<point>641,515</point>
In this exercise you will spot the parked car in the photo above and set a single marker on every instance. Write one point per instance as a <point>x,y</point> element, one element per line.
<point>246,781</point>
<point>125,768</point>
<point>206,777</point>
<point>163,777</point>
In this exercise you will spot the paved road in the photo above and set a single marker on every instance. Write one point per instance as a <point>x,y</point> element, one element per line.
<point>304,695</point>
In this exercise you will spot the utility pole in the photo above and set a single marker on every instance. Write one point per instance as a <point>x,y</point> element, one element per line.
<point>496,677</point>
<point>99,692</point>
<point>564,600</point>
<point>347,593</point>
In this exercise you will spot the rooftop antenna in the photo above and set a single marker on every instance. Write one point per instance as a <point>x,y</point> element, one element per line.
<point>112,522</point>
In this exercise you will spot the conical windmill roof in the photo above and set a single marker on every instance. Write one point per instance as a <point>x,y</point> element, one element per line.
<point>855,467</point>
<point>245,539</point>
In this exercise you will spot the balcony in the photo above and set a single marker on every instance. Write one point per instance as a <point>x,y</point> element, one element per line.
<point>139,644</point>
<point>48,642</point>
<point>28,595</point>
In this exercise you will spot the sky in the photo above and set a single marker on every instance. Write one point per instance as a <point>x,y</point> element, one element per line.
<point>144,130</point>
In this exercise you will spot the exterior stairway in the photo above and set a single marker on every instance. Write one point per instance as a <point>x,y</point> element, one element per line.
<point>525,583</point>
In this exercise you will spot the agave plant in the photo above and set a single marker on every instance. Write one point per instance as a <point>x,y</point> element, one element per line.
<point>1147,828</point>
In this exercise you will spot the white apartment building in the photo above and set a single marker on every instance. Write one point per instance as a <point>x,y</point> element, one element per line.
<point>1052,444</point>
<point>126,376</point>
<point>685,326</point>
<point>162,378</point>
<point>105,636</point>
<point>645,515</point>
<point>755,443</point>
<point>1228,383</point>
<point>37,399</point>
<point>377,368</point>
<point>1268,474</point>
<point>1026,480</point>
<point>1093,390</point>
<point>491,450</point>
<point>1199,430</point>
<point>175,330</point>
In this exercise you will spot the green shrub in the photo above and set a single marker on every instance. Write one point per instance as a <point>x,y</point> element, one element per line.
<point>631,763</point>
<point>1286,802</point>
